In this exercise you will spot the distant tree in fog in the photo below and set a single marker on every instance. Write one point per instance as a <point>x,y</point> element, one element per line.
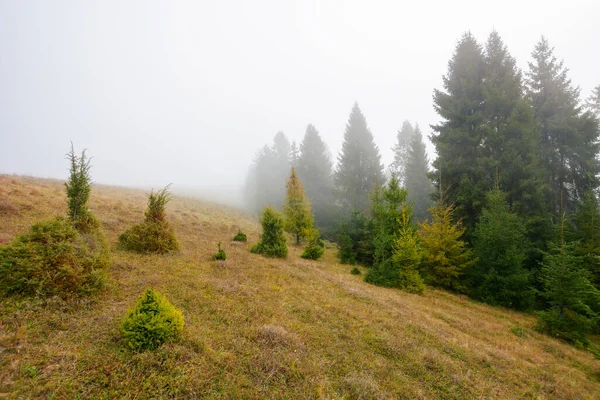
<point>401,149</point>
<point>359,167</point>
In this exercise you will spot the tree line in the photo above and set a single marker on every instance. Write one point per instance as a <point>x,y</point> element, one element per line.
<point>507,211</point>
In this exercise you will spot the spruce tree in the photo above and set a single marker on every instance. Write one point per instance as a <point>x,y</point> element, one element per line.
<point>458,136</point>
<point>315,170</point>
<point>296,210</point>
<point>501,248</point>
<point>445,255</point>
<point>272,241</point>
<point>585,234</point>
<point>359,167</point>
<point>574,303</point>
<point>568,137</point>
<point>401,151</point>
<point>417,182</point>
<point>408,255</point>
<point>265,182</point>
<point>294,154</point>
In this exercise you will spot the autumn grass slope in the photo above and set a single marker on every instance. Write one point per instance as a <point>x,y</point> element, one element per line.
<point>262,328</point>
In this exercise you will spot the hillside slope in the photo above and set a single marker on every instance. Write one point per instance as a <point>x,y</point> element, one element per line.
<point>260,328</point>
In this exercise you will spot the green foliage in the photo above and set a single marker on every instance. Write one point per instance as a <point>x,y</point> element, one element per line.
<point>585,233</point>
<point>53,259</point>
<point>315,247</point>
<point>355,271</point>
<point>574,302</point>
<point>149,237</point>
<point>445,256</point>
<point>518,331</point>
<point>401,269</point>
<point>401,151</point>
<point>220,254</point>
<point>78,189</point>
<point>240,237</point>
<point>501,248</point>
<point>387,205</point>
<point>355,240</point>
<point>346,248</point>
<point>156,205</point>
<point>359,167</point>
<point>153,321</point>
<point>298,216</point>
<point>272,241</point>
<point>154,235</point>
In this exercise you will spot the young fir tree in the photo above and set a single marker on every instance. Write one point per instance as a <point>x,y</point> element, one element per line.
<point>314,169</point>
<point>388,203</point>
<point>296,210</point>
<point>78,189</point>
<point>416,180</point>
<point>568,137</point>
<point>574,302</point>
<point>359,167</point>
<point>355,240</point>
<point>272,241</point>
<point>401,151</point>
<point>500,246</point>
<point>445,255</point>
<point>400,270</point>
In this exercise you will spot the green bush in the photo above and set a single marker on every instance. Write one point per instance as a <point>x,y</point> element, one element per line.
<point>355,271</point>
<point>153,321</point>
<point>54,259</point>
<point>315,247</point>
<point>149,237</point>
<point>272,243</point>
<point>154,235</point>
<point>220,255</point>
<point>240,237</point>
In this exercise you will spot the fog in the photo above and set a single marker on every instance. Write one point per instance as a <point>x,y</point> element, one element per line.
<point>187,91</point>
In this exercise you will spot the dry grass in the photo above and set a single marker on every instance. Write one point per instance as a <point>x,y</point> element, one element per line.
<point>261,328</point>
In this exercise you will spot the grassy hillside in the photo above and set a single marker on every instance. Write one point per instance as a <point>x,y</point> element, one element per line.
<point>258,328</point>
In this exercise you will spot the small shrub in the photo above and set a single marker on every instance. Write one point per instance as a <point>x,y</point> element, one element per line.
<point>240,237</point>
<point>355,271</point>
<point>518,331</point>
<point>315,247</point>
<point>346,249</point>
<point>53,259</point>
<point>220,255</point>
<point>153,321</point>
<point>272,243</point>
<point>149,237</point>
<point>154,235</point>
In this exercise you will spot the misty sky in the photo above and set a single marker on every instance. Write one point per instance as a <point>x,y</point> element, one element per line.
<point>186,91</point>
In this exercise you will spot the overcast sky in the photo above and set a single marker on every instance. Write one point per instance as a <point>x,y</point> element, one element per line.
<point>186,91</point>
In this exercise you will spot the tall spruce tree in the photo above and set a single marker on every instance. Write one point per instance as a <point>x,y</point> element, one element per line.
<point>458,136</point>
<point>294,154</point>
<point>315,170</point>
<point>417,182</point>
<point>488,134</point>
<point>401,151</point>
<point>568,137</point>
<point>296,210</point>
<point>359,167</point>
<point>500,247</point>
